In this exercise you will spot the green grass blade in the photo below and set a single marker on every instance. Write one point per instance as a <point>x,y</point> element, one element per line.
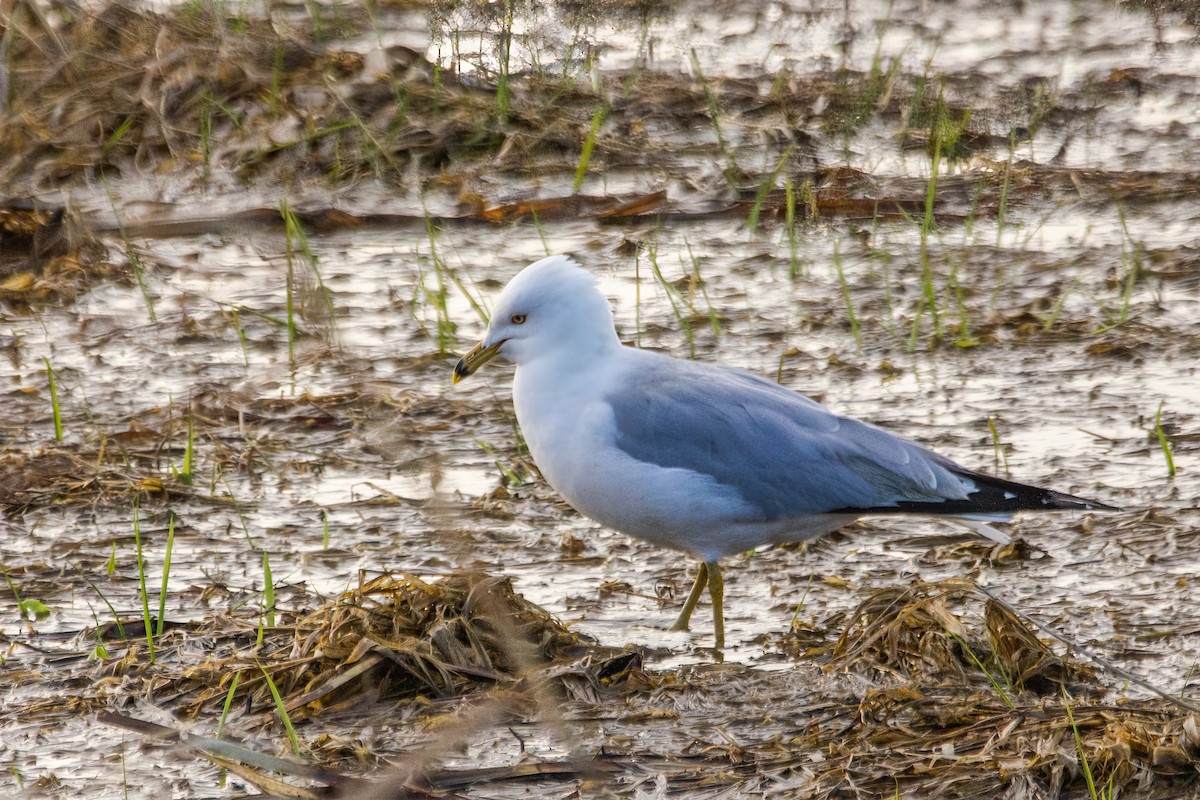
<point>233,684</point>
<point>585,154</point>
<point>185,471</point>
<point>1163,442</point>
<point>837,263</point>
<point>987,673</point>
<point>283,713</point>
<point>765,188</point>
<point>54,407</point>
<point>141,568</point>
<point>998,445</point>
<point>166,575</point>
<point>1083,759</point>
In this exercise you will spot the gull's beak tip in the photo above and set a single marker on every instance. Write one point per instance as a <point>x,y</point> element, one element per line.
<point>473,359</point>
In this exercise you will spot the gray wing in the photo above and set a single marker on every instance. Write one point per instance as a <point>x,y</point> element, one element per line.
<point>785,453</point>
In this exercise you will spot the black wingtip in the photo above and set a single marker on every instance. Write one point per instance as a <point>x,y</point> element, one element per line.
<point>994,495</point>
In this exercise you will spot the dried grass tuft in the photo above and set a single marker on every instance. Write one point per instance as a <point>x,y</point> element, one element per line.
<point>393,637</point>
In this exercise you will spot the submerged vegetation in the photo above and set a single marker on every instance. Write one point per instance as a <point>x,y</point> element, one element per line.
<point>252,540</point>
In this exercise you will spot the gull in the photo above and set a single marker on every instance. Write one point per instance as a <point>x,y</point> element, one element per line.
<point>706,459</point>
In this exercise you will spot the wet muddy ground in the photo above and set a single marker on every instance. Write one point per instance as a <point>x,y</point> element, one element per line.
<point>240,251</point>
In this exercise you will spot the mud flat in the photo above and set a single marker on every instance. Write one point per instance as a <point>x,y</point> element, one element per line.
<point>256,544</point>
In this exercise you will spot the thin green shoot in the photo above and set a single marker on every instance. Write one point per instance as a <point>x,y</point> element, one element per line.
<point>807,195</point>
<point>945,135</point>
<point>789,222</point>
<point>281,707</point>
<point>292,331</point>
<point>637,298</point>
<point>110,567</point>
<point>1052,317</point>
<point>783,357</point>
<point>714,113</point>
<point>267,619</point>
<point>963,335</point>
<point>1001,451</point>
<point>1131,257</point>
<point>684,322</point>
<point>714,319</point>
<point>296,241</point>
<point>141,568</point>
<point>800,605</point>
<point>54,407</point>
<point>131,253</point>
<point>280,322</point>
<point>325,529</point>
<point>1083,759</point>
<point>206,121</point>
<point>511,476</point>
<point>504,92</point>
<point>589,143</point>
<point>929,293</point>
<point>233,685</point>
<point>854,326</point>
<point>166,574</point>
<point>765,188</point>
<point>116,617</point>
<point>310,136</point>
<point>241,334</point>
<point>184,473</point>
<point>98,652</point>
<point>114,138</point>
<point>987,673</point>
<point>446,327</point>
<point>12,587</point>
<point>1163,442</point>
<point>541,231</point>
<point>475,304</point>
<point>1005,186</point>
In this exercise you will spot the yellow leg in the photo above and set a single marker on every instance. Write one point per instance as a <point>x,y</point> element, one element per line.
<point>716,590</point>
<point>685,616</point>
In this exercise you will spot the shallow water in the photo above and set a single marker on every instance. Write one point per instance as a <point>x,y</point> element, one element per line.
<point>360,431</point>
